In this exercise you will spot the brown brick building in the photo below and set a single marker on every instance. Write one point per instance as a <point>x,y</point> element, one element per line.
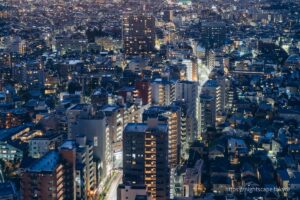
<point>51,177</point>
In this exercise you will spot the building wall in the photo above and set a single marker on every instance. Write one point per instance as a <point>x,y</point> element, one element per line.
<point>42,186</point>
<point>69,163</point>
<point>145,160</point>
<point>86,171</point>
<point>126,192</point>
<point>187,91</point>
<point>162,93</point>
<point>97,131</point>
<point>144,91</point>
<point>138,34</point>
<point>9,153</point>
<point>39,147</point>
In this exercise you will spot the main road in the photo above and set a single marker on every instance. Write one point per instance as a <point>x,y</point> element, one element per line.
<point>112,192</point>
<point>112,183</point>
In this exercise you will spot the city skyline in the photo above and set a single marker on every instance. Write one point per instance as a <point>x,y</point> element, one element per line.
<point>149,100</point>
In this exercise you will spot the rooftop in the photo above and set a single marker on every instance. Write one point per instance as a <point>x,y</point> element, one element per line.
<point>7,189</point>
<point>142,127</point>
<point>47,136</point>
<point>78,107</point>
<point>47,163</point>
<point>69,144</point>
<point>110,108</point>
<point>6,134</point>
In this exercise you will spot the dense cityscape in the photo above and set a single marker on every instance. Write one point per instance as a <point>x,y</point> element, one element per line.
<point>149,99</point>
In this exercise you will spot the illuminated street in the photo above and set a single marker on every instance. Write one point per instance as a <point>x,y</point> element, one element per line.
<point>112,191</point>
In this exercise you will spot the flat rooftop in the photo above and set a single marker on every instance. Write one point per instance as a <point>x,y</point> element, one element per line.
<point>142,127</point>
<point>110,108</point>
